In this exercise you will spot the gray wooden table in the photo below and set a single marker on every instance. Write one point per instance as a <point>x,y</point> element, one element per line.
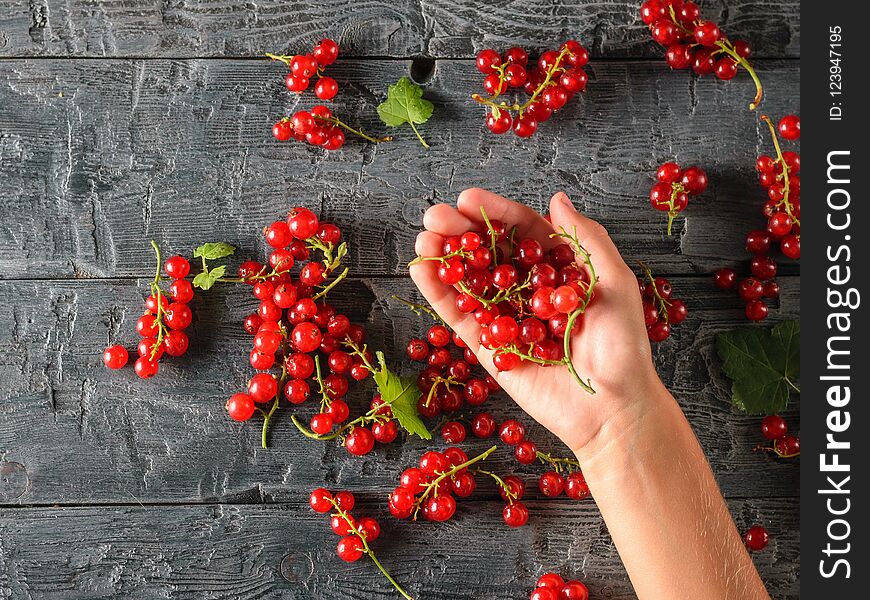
<point>124,122</point>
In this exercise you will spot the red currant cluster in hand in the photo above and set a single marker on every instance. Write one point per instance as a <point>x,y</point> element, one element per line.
<point>551,586</point>
<point>660,308</point>
<point>356,534</point>
<point>162,325</point>
<point>774,429</point>
<point>696,43</point>
<point>305,66</point>
<point>550,84</point>
<point>674,186</point>
<point>293,322</point>
<point>756,538</point>
<point>527,300</point>
<point>432,485</point>
<point>779,176</point>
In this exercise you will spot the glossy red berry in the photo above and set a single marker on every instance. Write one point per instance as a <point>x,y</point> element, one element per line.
<point>177,267</point>
<point>789,127</point>
<point>320,500</point>
<point>756,538</point>
<point>773,427</point>
<point>359,441</point>
<point>115,357</point>
<point>551,484</point>
<point>515,514</point>
<point>240,407</point>
<point>350,548</point>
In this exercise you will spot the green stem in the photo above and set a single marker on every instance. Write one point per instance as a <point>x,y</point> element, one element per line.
<point>792,385</point>
<point>158,294</point>
<point>419,309</point>
<point>359,132</point>
<point>556,68</point>
<point>433,485</point>
<point>492,237</point>
<point>556,462</point>
<point>510,496</point>
<point>726,47</point>
<point>785,184</point>
<point>417,133</point>
<point>367,550</point>
<point>322,293</point>
<point>266,419</point>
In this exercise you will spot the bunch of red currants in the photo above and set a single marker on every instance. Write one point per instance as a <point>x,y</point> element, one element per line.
<point>550,83</point>
<point>162,325</point>
<point>673,187</point>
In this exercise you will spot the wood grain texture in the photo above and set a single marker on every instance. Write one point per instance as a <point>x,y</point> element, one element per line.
<point>99,156</point>
<point>80,433</point>
<point>243,552</point>
<point>440,28</point>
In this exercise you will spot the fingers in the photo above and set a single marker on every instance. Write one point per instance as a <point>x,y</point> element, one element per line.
<point>528,222</point>
<point>592,235</point>
<point>441,297</point>
<point>446,220</point>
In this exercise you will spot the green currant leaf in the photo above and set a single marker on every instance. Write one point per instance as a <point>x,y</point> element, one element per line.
<point>764,366</point>
<point>405,104</point>
<point>214,250</point>
<point>401,393</point>
<point>207,279</point>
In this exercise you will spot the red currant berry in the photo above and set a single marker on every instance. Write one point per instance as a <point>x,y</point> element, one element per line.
<point>512,432</point>
<point>483,425</point>
<point>756,538</point>
<point>240,407</point>
<point>756,310</point>
<point>320,500</point>
<point>432,463</point>
<point>551,484</point>
<point>283,129</point>
<point>758,242</point>
<point>262,387</point>
<point>487,60</point>
<point>763,267</point>
<point>707,33</point>
<point>575,486</point>
<point>326,88</point>
<point>350,548</point>
<point>359,441</point>
<point>321,424</point>
<point>515,514</point>
<point>175,343</point>
<point>773,427</point>
<point>369,528</point>
<point>181,291</point>
<point>325,52</point>
<point>751,289</point>
<point>115,357</point>
<point>574,590</point>
<point>550,580</point>
<point>525,126</point>
<point>526,452</point>
<point>385,432</point>
<point>789,127</point>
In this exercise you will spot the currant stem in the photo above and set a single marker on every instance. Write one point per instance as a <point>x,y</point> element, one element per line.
<point>417,133</point>
<point>266,418</point>
<point>557,463</point>
<point>728,48</point>
<point>433,485</point>
<point>492,236</point>
<point>284,58</point>
<point>359,132</point>
<point>555,68</point>
<point>781,161</point>
<point>322,293</point>
<point>420,309</point>
<point>664,305</point>
<point>158,294</point>
<point>511,496</point>
<point>367,550</point>
<point>581,308</point>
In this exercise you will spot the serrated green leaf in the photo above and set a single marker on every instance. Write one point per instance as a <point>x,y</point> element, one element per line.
<point>763,366</point>
<point>207,279</point>
<point>401,393</point>
<point>405,104</point>
<point>214,250</point>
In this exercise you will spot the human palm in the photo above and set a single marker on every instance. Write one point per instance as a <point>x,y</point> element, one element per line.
<point>610,347</point>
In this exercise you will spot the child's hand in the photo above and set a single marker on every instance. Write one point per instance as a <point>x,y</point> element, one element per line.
<point>610,347</point>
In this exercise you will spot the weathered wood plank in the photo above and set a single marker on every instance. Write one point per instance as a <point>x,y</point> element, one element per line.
<point>99,156</point>
<point>377,28</point>
<point>287,551</point>
<point>73,432</point>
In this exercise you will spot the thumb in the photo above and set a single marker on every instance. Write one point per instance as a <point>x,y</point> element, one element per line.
<point>592,235</point>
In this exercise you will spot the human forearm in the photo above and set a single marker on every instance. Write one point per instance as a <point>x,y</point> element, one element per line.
<point>663,507</point>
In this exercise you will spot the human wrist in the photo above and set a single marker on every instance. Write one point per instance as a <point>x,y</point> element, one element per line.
<point>636,405</point>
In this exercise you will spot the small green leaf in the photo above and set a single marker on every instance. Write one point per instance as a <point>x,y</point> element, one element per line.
<point>207,279</point>
<point>405,104</point>
<point>764,366</point>
<point>401,393</point>
<point>214,250</point>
